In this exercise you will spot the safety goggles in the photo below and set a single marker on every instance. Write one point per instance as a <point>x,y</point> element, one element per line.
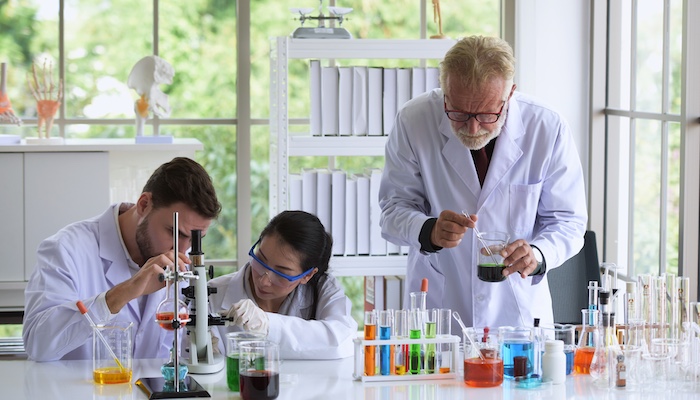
<point>276,278</point>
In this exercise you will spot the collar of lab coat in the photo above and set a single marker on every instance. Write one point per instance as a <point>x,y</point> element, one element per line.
<point>505,153</point>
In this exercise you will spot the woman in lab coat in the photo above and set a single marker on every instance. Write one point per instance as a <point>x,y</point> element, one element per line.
<point>286,292</point>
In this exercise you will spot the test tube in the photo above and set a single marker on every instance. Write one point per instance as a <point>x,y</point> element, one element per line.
<point>415,326</point>
<point>660,307</point>
<point>673,316</point>
<point>444,329</point>
<point>370,334</point>
<point>386,352</point>
<point>401,332</point>
<point>683,302</point>
<point>430,348</point>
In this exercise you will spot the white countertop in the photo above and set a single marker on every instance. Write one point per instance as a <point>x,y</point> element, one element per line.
<point>23,379</point>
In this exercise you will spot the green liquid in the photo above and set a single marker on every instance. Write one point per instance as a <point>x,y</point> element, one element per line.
<point>490,272</point>
<point>414,353</point>
<point>232,378</point>
<point>430,331</point>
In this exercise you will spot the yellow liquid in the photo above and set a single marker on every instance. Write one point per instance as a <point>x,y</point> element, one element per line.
<point>111,375</point>
<point>400,370</point>
<point>444,370</point>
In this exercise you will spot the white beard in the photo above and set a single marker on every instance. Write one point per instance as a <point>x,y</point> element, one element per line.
<point>481,138</point>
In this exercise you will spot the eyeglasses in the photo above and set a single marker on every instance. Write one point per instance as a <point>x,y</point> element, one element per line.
<point>276,278</point>
<point>482,118</point>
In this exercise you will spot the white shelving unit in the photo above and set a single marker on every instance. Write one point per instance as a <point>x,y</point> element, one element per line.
<point>283,145</point>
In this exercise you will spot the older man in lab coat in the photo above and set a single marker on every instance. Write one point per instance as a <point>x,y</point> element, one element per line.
<point>112,263</point>
<point>509,162</point>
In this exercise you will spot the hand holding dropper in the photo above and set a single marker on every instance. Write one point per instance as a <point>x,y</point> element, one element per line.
<point>83,310</point>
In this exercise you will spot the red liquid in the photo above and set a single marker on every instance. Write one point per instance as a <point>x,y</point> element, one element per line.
<point>483,373</point>
<point>582,360</point>
<point>165,319</point>
<point>259,385</point>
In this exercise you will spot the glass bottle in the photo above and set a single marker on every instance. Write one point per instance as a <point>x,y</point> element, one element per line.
<point>587,342</point>
<point>620,372</point>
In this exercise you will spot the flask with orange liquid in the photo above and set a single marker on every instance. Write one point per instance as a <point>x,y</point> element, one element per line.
<point>587,342</point>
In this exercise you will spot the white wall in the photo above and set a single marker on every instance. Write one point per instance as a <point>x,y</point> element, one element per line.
<point>552,54</point>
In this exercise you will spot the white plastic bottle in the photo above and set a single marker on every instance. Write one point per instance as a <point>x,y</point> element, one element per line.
<point>554,362</point>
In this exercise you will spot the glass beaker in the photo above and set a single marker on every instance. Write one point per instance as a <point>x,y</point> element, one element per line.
<point>233,341</point>
<point>490,265</point>
<point>565,333</point>
<point>518,351</point>
<point>259,370</point>
<point>112,352</point>
<point>587,342</point>
<point>485,370</point>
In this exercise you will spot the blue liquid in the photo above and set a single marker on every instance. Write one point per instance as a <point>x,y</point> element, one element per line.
<point>385,351</point>
<point>569,361</point>
<point>510,350</point>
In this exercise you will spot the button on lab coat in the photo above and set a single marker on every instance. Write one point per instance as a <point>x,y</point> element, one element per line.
<point>81,262</point>
<point>534,190</point>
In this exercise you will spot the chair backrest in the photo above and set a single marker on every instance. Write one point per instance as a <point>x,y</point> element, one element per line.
<point>568,284</point>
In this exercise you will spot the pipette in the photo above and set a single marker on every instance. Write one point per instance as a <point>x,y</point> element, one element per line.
<point>456,316</point>
<point>478,236</point>
<point>83,310</point>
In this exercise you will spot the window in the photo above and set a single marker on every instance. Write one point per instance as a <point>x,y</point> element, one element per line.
<point>650,217</point>
<point>91,45</point>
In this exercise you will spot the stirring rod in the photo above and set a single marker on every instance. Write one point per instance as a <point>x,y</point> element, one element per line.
<point>478,236</point>
<point>83,310</point>
<point>464,331</point>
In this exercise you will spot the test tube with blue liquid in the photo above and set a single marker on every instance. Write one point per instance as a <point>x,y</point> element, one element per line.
<point>592,305</point>
<point>386,352</point>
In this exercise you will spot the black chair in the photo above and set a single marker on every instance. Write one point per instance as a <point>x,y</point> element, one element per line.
<point>568,284</point>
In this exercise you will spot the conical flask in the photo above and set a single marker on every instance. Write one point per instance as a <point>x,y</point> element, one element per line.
<point>587,342</point>
<point>606,351</point>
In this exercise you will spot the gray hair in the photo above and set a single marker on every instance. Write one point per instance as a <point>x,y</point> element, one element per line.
<point>476,60</point>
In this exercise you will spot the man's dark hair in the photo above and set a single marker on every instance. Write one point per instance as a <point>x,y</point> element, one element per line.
<point>183,180</point>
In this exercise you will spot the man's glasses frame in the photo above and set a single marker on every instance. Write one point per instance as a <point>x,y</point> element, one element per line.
<point>288,280</point>
<point>482,118</point>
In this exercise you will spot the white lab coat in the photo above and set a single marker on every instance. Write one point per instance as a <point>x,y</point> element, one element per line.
<point>81,262</point>
<point>329,336</point>
<point>534,190</point>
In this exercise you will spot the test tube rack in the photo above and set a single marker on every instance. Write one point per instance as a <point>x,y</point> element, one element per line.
<point>359,362</point>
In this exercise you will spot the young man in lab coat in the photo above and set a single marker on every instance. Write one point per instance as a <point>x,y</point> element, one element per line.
<point>112,263</point>
<point>530,185</point>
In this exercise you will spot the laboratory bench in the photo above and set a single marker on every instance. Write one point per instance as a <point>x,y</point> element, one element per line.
<point>310,379</point>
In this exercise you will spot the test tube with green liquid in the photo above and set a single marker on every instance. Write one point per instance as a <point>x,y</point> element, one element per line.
<point>415,331</point>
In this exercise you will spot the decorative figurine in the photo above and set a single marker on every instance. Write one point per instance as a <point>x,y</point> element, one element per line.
<point>437,18</point>
<point>145,76</point>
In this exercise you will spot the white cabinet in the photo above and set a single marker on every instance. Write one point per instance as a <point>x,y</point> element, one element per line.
<point>283,145</point>
<point>46,187</point>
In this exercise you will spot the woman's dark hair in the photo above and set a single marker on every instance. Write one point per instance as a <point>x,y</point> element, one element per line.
<point>304,233</point>
<point>183,180</point>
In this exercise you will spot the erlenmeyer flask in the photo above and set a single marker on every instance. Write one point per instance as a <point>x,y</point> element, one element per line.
<point>606,351</point>
<point>587,342</point>
<point>165,313</point>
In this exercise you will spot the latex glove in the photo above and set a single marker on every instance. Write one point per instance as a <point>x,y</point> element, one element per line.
<point>249,316</point>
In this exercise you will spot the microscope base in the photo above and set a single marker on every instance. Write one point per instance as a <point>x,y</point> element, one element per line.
<point>216,365</point>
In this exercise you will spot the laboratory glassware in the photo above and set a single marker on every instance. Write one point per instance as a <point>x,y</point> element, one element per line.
<point>490,264</point>
<point>518,351</point>
<point>165,313</point>
<point>483,365</point>
<point>401,332</point>
<point>415,331</point>
<point>370,334</point>
<point>112,351</point>
<point>444,328</point>
<point>233,342</point>
<point>386,352</point>
<point>587,341</point>
<point>259,370</point>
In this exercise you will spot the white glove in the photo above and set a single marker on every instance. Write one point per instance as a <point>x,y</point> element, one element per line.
<point>249,316</point>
